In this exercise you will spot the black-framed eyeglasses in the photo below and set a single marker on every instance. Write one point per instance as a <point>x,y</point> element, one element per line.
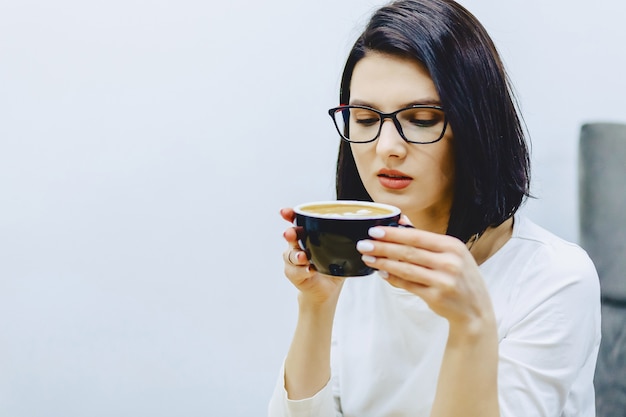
<point>416,124</point>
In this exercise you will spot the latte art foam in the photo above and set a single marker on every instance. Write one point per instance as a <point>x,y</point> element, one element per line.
<point>346,210</point>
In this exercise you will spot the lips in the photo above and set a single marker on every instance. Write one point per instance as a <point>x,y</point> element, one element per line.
<point>393,179</point>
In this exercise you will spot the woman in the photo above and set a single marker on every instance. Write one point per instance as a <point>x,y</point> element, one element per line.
<point>475,311</point>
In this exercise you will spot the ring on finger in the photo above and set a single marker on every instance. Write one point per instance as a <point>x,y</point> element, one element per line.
<point>289,258</point>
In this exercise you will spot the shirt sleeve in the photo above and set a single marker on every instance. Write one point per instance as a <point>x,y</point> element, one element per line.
<point>548,354</point>
<point>322,404</point>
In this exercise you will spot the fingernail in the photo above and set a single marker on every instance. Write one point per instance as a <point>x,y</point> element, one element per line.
<point>368,259</point>
<point>383,274</point>
<point>364,246</point>
<point>376,232</point>
<point>405,219</point>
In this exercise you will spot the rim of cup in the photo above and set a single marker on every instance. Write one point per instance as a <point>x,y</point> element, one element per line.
<point>299,210</point>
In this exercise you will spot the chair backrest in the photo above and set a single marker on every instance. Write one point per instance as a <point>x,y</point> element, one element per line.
<point>602,203</point>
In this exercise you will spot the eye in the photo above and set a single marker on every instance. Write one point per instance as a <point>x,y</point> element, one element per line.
<point>365,117</point>
<point>422,117</point>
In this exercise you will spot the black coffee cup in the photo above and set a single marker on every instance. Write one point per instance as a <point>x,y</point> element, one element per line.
<point>331,230</point>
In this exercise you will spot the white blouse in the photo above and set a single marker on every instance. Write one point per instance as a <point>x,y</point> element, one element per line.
<point>388,345</point>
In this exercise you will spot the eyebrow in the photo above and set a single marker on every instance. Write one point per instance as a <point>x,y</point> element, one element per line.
<point>426,101</point>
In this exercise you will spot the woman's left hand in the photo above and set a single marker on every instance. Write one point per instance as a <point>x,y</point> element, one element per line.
<point>438,268</point>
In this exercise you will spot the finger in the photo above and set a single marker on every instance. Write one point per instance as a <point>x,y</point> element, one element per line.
<point>449,263</point>
<point>299,274</point>
<point>295,257</point>
<point>400,252</point>
<point>290,235</point>
<point>297,268</point>
<point>417,274</point>
<point>288,214</point>
<point>431,241</point>
<point>405,221</point>
<point>410,286</point>
<point>293,234</point>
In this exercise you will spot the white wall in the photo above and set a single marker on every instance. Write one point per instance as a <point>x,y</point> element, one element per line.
<point>135,139</point>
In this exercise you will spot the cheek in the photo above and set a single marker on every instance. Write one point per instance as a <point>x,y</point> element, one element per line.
<point>360,155</point>
<point>447,162</point>
<point>438,163</point>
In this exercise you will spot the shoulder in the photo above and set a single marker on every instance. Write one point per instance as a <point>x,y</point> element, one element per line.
<point>548,253</point>
<point>549,321</point>
<point>552,273</point>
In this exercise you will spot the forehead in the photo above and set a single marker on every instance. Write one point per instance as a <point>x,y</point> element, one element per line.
<point>388,82</point>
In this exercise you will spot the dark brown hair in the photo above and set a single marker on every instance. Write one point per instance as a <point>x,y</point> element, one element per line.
<point>492,167</point>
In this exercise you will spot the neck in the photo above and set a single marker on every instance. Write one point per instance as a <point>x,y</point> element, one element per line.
<point>491,241</point>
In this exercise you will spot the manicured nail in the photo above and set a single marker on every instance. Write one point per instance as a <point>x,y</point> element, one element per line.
<point>376,232</point>
<point>383,274</point>
<point>368,259</point>
<point>364,246</point>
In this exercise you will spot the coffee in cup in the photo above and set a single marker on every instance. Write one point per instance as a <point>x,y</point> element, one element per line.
<point>331,230</point>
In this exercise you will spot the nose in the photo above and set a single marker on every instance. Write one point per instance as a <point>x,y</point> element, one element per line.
<point>389,142</point>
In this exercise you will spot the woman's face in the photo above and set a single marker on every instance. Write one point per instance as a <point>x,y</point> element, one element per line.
<point>417,178</point>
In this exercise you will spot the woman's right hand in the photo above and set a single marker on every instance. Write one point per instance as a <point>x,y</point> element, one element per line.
<point>315,288</point>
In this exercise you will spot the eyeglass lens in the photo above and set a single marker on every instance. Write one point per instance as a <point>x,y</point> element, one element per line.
<point>419,124</point>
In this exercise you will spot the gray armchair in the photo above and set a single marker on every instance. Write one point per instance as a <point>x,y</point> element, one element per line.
<point>602,203</point>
